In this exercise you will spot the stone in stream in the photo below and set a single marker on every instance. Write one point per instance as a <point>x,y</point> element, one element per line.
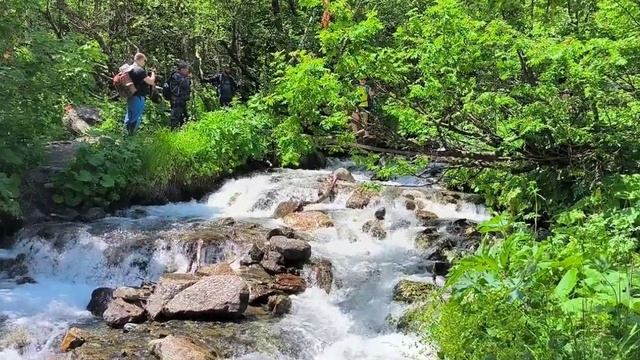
<point>375,228</point>
<point>100,299</point>
<point>308,220</point>
<point>360,199</point>
<point>425,215</point>
<point>412,291</point>
<point>120,312</point>
<point>132,294</point>
<point>279,305</point>
<point>179,348</point>
<point>289,283</point>
<point>273,263</point>
<point>215,269</point>
<point>74,338</point>
<point>343,175</point>
<point>168,286</point>
<point>321,275</point>
<point>292,250</point>
<point>380,213</point>
<point>212,297</point>
<point>410,204</point>
<point>287,207</point>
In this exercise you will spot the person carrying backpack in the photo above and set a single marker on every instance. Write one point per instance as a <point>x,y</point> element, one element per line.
<point>226,86</point>
<point>135,102</point>
<point>178,90</point>
<point>360,118</point>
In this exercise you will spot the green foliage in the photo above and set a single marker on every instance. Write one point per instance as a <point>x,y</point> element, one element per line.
<point>371,187</point>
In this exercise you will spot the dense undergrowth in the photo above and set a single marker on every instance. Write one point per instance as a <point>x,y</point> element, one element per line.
<point>535,106</point>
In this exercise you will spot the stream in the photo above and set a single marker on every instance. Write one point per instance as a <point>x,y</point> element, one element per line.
<point>68,260</point>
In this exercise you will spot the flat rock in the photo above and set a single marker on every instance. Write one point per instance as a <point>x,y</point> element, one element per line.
<point>215,269</point>
<point>168,286</point>
<point>216,296</point>
<point>120,312</point>
<point>308,220</point>
<point>289,283</point>
<point>132,294</point>
<point>179,348</point>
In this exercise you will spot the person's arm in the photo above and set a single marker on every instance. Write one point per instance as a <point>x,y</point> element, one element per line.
<point>151,80</point>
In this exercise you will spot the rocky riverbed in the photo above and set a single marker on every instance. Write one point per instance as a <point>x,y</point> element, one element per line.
<point>291,264</point>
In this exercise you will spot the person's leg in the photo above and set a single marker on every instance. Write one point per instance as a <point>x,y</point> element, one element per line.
<point>135,118</point>
<point>175,120</point>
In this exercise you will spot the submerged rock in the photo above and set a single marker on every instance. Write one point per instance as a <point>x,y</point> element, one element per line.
<point>120,312</point>
<point>412,291</point>
<point>212,297</point>
<point>100,299</point>
<point>321,275</point>
<point>308,220</point>
<point>74,338</point>
<point>279,305</point>
<point>179,348</point>
<point>292,250</point>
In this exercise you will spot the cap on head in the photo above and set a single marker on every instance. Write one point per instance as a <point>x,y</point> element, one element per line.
<point>183,65</point>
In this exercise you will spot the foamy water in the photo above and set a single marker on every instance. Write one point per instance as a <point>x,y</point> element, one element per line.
<point>350,323</point>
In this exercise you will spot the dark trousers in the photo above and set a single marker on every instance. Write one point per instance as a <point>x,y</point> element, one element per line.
<point>178,113</point>
<point>225,101</point>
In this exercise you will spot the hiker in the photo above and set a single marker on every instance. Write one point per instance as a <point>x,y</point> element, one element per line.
<point>226,86</point>
<point>365,104</point>
<point>180,90</point>
<point>143,83</point>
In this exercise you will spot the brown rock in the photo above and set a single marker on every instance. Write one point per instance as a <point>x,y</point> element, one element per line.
<point>289,283</point>
<point>168,286</point>
<point>287,207</point>
<point>321,275</point>
<point>343,175</point>
<point>132,294</point>
<point>179,348</point>
<point>74,338</point>
<point>360,199</point>
<point>279,305</point>
<point>308,220</point>
<point>410,204</point>
<point>215,269</point>
<point>121,312</point>
<point>217,296</point>
<point>425,215</point>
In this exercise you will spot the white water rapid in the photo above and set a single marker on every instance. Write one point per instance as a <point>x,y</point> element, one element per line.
<point>69,260</point>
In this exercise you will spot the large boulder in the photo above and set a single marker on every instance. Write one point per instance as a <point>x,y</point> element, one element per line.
<point>287,207</point>
<point>308,220</point>
<point>289,283</point>
<point>74,338</point>
<point>321,275</point>
<point>179,348</point>
<point>100,299</point>
<point>120,312</point>
<point>168,286</point>
<point>292,250</point>
<point>343,175</point>
<point>213,297</point>
<point>360,198</point>
<point>412,291</point>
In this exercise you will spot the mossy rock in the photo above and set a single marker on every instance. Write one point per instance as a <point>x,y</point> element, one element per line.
<point>408,291</point>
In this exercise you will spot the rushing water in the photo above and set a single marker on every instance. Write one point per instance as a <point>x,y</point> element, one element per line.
<point>69,260</point>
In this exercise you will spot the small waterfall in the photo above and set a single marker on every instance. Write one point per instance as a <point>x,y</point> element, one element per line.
<point>69,260</point>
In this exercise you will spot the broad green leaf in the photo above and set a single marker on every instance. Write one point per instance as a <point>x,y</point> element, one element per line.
<point>567,283</point>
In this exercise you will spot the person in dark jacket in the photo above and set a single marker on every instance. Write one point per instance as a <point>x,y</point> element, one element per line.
<point>180,85</point>
<point>226,85</point>
<point>143,83</point>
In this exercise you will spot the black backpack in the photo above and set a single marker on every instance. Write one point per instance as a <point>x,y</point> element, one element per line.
<point>166,88</point>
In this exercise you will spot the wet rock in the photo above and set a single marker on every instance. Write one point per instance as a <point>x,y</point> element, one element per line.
<point>132,294</point>
<point>425,215</point>
<point>93,214</point>
<point>412,291</point>
<point>321,275</point>
<point>413,194</point>
<point>400,224</point>
<point>168,286</point>
<point>281,231</point>
<point>380,213</point>
<point>256,254</point>
<point>120,312</point>
<point>292,250</point>
<point>179,348</point>
<point>360,199</point>
<point>343,175</point>
<point>308,220</point>
<point>74,338</point>
<point>289,283</point>
<point>213,297</point>
<point>259,282</point>
<point>287,207</point>
<point>375,228</point>
<point>273,263</point>
<point>410,205</point>
<point>279,305</point>
<point>100,299</point>
<point>438,267</point>
<point>315,160</point>
<point>14,267</point>
<point>215,269</point>
<point>21,280</point>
